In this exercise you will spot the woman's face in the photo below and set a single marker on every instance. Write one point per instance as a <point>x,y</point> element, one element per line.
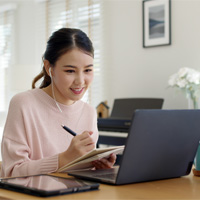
<point>72,75</point>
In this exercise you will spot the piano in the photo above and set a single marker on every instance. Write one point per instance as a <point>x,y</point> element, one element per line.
<point>123,110</point>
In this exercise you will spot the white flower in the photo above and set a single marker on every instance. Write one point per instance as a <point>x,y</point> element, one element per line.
<point>194,77</point>
<point>183,72</point>
<point>185,77</point>
<point>182,83</point>
<point>188,80</point>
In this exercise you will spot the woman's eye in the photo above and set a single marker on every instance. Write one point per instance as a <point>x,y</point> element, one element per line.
<point>88,70</point>
<point>69,71</point>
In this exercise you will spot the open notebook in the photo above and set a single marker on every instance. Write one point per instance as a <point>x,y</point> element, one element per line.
<point>84,162</point>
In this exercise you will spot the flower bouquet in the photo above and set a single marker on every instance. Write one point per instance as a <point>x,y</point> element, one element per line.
<point>188,80</point>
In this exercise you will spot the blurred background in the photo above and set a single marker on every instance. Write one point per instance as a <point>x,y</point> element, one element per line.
<point>123,68</point>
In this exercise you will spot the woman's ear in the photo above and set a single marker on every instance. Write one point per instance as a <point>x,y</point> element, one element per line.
<point>47,66</point>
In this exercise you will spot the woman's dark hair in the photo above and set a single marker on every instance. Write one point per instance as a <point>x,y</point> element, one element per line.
<point>61,41</point>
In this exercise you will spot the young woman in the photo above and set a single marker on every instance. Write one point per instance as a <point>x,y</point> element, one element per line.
<point>34,141</point>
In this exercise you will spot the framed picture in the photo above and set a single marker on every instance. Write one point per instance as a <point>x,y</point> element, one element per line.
<point>156,23</point>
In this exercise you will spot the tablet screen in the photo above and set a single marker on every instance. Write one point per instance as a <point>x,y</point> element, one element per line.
<point>46,185</point>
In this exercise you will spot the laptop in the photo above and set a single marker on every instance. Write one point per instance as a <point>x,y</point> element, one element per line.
<point>161,144</point>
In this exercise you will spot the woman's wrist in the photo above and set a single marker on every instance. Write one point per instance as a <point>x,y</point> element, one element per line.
<point>63,159</point>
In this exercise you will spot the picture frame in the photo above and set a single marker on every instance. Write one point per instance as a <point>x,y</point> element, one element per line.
<point>156,23</point>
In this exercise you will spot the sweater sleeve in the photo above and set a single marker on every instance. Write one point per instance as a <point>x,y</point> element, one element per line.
<point>16,161</point>
<point>16,151</point>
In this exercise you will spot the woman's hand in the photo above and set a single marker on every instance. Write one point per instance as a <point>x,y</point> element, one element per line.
<point>80,145</point>
<point>105,163</point>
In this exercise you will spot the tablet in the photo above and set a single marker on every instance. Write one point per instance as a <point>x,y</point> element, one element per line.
<point>46,185</point>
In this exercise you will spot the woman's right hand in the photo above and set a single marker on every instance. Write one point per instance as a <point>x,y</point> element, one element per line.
<point>80,145</point>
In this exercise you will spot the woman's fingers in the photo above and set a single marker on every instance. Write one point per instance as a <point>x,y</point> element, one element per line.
<point>85,135</point>
<point>83,143</point>
<point>112,158</point>
<point>105,163</point>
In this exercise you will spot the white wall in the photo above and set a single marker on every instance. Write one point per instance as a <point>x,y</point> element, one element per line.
<point>134,71</point>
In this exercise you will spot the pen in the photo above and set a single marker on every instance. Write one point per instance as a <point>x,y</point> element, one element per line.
<point>69,130</point>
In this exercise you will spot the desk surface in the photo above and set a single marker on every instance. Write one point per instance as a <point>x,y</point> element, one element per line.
<point>179,188</point>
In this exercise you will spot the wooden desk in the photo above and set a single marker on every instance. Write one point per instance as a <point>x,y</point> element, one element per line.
<point>180,188</point>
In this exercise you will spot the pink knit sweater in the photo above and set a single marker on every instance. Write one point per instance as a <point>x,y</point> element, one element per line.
<point>33,136</point>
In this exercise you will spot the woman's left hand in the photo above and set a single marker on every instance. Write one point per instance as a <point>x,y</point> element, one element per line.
<point>105,163</point>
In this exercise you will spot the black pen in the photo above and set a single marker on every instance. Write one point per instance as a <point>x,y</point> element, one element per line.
<point>69,130</point>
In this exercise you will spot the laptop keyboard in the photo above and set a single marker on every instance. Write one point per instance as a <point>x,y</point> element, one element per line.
<point>112,176</point>
<point>107,174</point>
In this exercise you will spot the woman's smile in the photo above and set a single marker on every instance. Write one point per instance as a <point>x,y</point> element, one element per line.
<point>77,90</point>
